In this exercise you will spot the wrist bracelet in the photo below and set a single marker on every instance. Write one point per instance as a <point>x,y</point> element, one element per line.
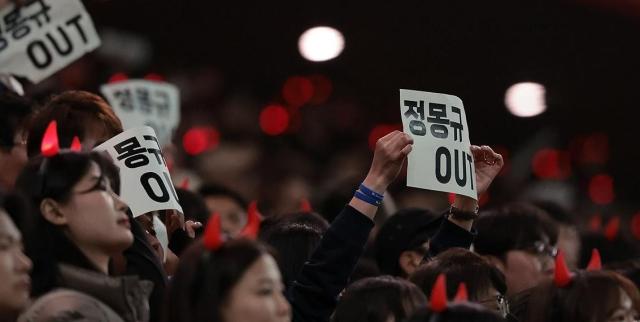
<point>460,214</point>
<point>370,192</point>
<point>367,198</point>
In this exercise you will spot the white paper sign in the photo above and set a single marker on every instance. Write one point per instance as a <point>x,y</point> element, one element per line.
<point>146,103</point>
<point>43,36</point>
<point>145,183</point>
<point>441,159</point>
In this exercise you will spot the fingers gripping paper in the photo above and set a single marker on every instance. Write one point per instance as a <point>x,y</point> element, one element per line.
<point>145,183</point>
<point>43,36</point>
<point>441,159</point>
<point>146,103</point>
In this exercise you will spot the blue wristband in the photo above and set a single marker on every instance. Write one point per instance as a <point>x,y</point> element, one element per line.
<point>370,192</point>
<point>368,199</point>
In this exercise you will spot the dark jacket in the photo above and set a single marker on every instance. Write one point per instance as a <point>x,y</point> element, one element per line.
<point>313,295</point>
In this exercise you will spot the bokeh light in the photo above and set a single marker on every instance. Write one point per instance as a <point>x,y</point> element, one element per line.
<point>321,44</point>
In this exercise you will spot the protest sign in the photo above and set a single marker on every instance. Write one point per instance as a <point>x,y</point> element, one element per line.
<point>145,184</point>
<point>43,36</point>
<point>146,103</point>
<point>441,159</point>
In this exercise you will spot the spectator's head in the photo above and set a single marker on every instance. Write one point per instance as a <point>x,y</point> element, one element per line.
<point>568,235</point>
<point>13,152</point>
<point>14,269</point>
<point>599,296</point>
<point>239,281</point>
<point>486,285</point>
<point>294,244</point>
<point>520,240</point>
<point>77,113</point>
<point>78,218</point>
<point>457,312</point>
<point>378,299</point>
<point>403,241</point>
<point>230,205</point>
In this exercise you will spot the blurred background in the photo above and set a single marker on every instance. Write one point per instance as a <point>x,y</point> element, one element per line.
<point>551,85</point>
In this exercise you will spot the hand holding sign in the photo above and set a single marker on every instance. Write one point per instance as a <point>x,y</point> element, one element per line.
<point>391,151</point>
<point>488,164</point>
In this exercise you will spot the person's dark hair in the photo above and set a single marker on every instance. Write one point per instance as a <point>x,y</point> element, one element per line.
<point>557,212</point>
<point>204,279</point>
<point>461,265</point>
<point>76,112</point>
<point>294,244</point>
<point>512,227</point>
<point>629,269</point>
<point>194,209</point>
<point>214,190</point>
<point>457,312</point>
<point>15,110</point>
<point>312,219</point>
<point>407,229</point>
<point>591,296</point>
<point>46,244</point>
<point>376,299</point>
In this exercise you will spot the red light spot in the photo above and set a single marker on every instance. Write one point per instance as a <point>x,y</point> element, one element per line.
<point>601,189</point>
<point>635,225</point>
<point>379,131</point>
<point>551,164</point>
<point>595,223</point>
<point>154,77</point>
<point>274,120</point>
<point>118,77</point>
<point>297,91</point>
<point>199,139</point>
<point>322,88</point>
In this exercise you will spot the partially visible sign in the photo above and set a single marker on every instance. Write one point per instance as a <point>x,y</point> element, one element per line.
<point>43,36</point>
<point>145,183</point>
<point>146,103</point>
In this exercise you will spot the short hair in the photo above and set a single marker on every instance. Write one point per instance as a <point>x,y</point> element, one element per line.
<point>590,296</point>
<point>407,229</point>
<point>375,299</point>
<point>15,112</point>
<point>460,265</point>
<point>294,243</point>
<point>214,190</point>
<point>75,112</point>
<point>511,227</point>
<point>457,312</point>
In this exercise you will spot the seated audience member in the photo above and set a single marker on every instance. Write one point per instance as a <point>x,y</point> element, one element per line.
<point>15,267</point>
<point>486,285</point>
<point>80,222</point>
<point>520,240</point>
<point>378,299</point>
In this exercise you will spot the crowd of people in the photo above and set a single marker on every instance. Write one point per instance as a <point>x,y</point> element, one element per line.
<point>72,250</point>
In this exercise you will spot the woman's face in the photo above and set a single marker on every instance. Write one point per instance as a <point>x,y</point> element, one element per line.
<point>14,269</point>
<point>95,216</point>
<point>625,311</point>
<point>258,296</point>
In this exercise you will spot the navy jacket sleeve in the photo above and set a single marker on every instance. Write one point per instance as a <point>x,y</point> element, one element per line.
<point>450,235</point>
<point>313,295</point>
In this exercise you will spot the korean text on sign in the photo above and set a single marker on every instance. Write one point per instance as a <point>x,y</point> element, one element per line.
<point>43,36</point>
<point>146,103</point>
<point>145,183</point>
<point>441,159</point>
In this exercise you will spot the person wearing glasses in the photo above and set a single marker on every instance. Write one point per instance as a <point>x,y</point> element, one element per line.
<point>520,240</point>
<point>486,285</point>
